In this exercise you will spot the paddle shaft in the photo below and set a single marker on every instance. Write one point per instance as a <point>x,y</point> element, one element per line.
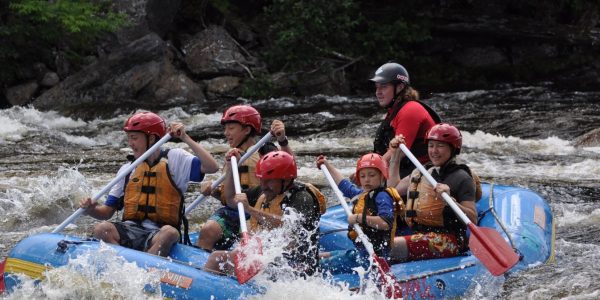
<point>216,183</point>
<point>238,190</point>
<point>120,176</point>
<point>363,238</point>
<point>433,182</point>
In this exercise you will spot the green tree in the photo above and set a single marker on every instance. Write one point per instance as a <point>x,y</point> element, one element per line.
<point>34,30</point>
<point>305,33</point>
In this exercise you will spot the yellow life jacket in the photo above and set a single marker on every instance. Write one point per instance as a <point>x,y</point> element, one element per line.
<point>247,172</point>
<point>423,206</point>
<point>151,194</point>
<point>379,238</point>
<point>274,207</point>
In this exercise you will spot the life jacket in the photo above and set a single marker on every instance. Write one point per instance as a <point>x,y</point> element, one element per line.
<point>423,207</point>
<point>365,205</point>
<point>247,172</point>
<point>275,206</point>
<point>385,133</point>
<point>150,193</point>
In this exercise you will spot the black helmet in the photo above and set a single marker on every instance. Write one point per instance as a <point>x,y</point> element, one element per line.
<point>391,72</point>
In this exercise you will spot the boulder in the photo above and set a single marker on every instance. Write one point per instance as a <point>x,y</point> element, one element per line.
<point>213,52</point>
<point>222,85</point>
<point>589,139</point>
<point>125,79</point>
<point>21,94</point>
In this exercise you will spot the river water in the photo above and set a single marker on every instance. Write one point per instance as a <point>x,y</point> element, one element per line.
<point>523,136</point>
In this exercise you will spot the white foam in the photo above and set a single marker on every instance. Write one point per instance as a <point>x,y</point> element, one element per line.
<point>100,274</point>
<point>510,144</point>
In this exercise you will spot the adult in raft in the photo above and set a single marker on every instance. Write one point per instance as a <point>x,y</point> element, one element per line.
<point>406,115</point>
<point>281,195</point>
<point>435,229</point>
<point>241,125</point>
<point>151,196</point>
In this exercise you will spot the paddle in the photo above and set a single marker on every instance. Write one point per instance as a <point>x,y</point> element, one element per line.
<point>244,270</point>
<point>393,289</point>
<point>485,243</point>
<point>120,176</point>
<point>216,183</point>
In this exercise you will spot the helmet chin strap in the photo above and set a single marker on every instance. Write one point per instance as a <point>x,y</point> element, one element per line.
<point>396,97</point>
<point>244,140</point>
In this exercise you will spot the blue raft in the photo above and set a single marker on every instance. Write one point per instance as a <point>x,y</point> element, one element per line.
<point>520,215</point>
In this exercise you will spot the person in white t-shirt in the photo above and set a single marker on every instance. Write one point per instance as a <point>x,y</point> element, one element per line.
<point>151,196</point>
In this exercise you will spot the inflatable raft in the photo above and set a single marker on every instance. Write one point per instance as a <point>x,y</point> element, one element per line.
<point>520,215</point>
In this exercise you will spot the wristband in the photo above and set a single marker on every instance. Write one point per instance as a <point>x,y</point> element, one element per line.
<point>283,143</point>
<point>356,218</point>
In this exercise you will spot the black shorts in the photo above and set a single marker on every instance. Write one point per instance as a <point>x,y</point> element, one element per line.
<point>134,236</point>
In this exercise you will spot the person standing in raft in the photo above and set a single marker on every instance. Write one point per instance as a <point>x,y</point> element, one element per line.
<point>435,229</point>
<point>241,124</point>
<point>151,196</point>
<point>373,210</point>
<point>406,115</point>
<point>280,195</point>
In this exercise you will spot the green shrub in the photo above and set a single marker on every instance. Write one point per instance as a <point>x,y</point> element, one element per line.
<point>303,33</point>
<point>34,30</point>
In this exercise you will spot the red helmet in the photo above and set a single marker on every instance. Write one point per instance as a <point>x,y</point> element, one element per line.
<point>276,165</point>
<point>243,114</point>
<point>146,122</point>
<point>445,132</point>
<point>371,160</point>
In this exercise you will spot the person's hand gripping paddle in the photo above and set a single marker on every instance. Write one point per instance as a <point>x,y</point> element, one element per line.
<point>485,243</point>
<point>245,256</point>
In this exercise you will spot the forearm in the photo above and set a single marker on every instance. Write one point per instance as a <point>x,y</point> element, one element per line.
<point>372,221</point>
<point>228,187</point>
<point>335,174</point>
<point>209,164</point>
<point>394,169</point>
<point>100,212</point>
<point>287,149</point>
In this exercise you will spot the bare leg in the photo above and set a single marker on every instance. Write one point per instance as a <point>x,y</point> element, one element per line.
<point>107,232</point>
<point>162,242</point>
<point>399,248</point>
<point>220,262</point>
<point>210,233</point>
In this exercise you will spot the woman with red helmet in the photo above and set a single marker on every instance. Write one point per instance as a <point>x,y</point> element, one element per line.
<point>151,196</point>
<point>373,210</point>
<point>281,195</point>
<point>242,123</point>
<point>430,227</point>
<point>406,115</point>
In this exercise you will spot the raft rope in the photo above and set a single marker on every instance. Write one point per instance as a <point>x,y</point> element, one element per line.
<point>438,272</point>
<point>493,211</point>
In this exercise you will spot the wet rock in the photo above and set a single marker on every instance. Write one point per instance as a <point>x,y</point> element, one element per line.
<point>222,85</point>
<point>213,52</point>
<point>589,139</point>
<point>21,94</point>
<point>50,79</point>
<point>114,82</point>
<point>176,90</point>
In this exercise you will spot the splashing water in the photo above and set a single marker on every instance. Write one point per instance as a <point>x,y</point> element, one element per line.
<point>101,274</point>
